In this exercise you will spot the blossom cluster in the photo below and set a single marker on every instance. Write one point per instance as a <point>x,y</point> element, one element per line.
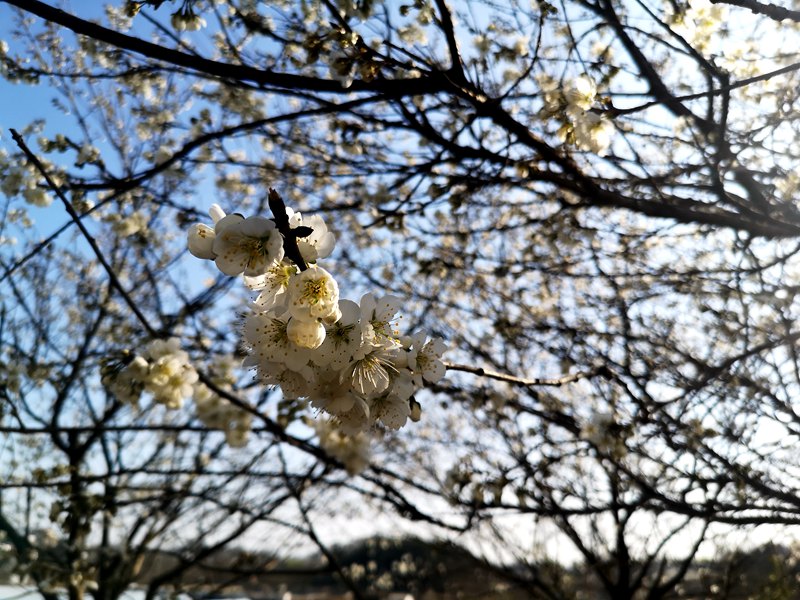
<point>572,104</point>
<point>21,180</point>
<point>346,359</point>
<point>351,450</point>
<point>699,23</point>
<point>164,372</point>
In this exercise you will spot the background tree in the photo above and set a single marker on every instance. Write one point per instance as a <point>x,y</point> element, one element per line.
<point>592,202</point>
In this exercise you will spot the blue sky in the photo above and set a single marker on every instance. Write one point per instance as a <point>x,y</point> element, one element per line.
<point>21,104</point>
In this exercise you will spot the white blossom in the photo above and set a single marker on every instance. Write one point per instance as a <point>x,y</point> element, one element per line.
<point>163,370</point>
<point>36,196</point>
<point>346,359</point>
<point>313,294</point>
<point>216,213</point>
<point>342,339</point>
<point>273,285</point>
<point>370,370</point>
<point>550,93</point>
<point>331,393</point>
<point>593,133</point>
<point>350,450</point>
<point>580,93</point>
<point>342,69</point>
<point>319,244</point>
<point>187,21</point>
<point>425,358</point>
<point>293,383</point>
<point>356,419</point>
<point>130,225</point>
<point>219,413</point>
<point>269,340</point>
<point>251,246</point>
<point>391,410</point>
<point>376,319</point>
<point>87,154</point>
<point>200,238</point>
<point>170,378</point>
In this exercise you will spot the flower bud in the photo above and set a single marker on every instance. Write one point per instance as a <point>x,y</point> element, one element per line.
<point>416,410</point>
<point>216,213</point>
<point>201,241</point>
<point>306,334</point>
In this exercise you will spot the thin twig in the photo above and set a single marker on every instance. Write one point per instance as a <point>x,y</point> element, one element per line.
<point>269,424</point>
<point>88,236</point>
<point>558,381</point>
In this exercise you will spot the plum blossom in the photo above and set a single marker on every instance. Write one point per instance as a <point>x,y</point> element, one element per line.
<point>572,106</point>
<point>357,419</point>
<point>170,377</point>
<point>127,383</point>
<point>342,69</point>
<point>269,340</point>
<point>550,93</point>
<point>580,93</point>
<point>251,246</point>
<point>163,370</point>
<point>331,393</point>
<point>376,319</point>
<point>273,286</point>
<point>200,238</point>
<point>392,411</point>
<point>593,133</point>
<point>313,294</point>
<point>319,244</point>
<point>342,339</point>
<point>187,20</point>
<point>293,384</point>
<point>425,358</point>
<point>218,412</point>
<point>370,370</point>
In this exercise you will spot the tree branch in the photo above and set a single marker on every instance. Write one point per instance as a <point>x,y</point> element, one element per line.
<point>773,11</point>
<point>227,71</point>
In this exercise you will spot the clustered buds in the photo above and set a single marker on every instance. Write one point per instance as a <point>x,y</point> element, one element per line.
<point>347,359</point>
<point>185,19</point>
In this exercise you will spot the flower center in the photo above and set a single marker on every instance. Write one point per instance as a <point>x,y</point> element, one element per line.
<point>341,335</point>
<point>383,328</point>
<point>282,274</point>
<point>423,361</point>
<point>315,291</point>
<point>255,249</point>
<point>278,334</point>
